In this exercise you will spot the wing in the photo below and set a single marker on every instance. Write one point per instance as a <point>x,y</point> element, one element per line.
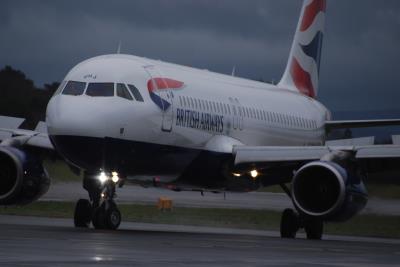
<point>345,124</point>
<point>278,164</point>
<point>250,155</point>
<point>11,135</point>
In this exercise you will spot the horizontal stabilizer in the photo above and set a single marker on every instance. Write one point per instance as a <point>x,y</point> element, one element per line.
<point>345,124</point>
<point>362,141</point>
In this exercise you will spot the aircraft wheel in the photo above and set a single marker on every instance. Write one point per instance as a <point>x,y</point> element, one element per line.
<point>314,229</point>
<point>289,223</point>
<point>113,217</point>
<point>83,213</point>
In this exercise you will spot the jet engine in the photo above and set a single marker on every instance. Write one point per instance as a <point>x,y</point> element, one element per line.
<point>22,177</point>
<point>328,191</point>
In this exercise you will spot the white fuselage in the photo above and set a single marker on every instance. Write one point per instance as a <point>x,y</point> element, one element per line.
<point>210,111</point>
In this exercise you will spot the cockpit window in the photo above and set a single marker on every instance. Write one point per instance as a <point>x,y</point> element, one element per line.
<point>123,92</point>
<point>135,92</point>
<point>100,89</point>
<point>60,88</point>
<point>74,88</point>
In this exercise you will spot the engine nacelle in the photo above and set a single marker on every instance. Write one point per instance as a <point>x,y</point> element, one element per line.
<point>327,190</point>
<point>22,177</point>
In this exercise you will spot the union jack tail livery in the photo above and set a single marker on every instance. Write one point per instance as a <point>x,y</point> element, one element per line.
<point>302,70</point>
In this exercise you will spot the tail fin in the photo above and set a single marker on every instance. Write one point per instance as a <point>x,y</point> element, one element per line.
<point>302,70</point>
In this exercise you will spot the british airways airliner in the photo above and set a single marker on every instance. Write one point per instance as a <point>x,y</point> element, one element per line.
<point>117,115</point>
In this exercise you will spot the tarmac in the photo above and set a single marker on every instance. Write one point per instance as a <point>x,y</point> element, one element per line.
<point>31,241</point>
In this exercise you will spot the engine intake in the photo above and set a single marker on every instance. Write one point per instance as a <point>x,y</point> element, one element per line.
<point>327,190</point>
<point>22,177</point>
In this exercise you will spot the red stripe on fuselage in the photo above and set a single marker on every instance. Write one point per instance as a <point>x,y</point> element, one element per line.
<point>302,79</point>
<point>163,83</point>
<point>311,13</point>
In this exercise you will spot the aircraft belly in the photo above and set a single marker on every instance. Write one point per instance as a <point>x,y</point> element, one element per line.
<point>127,157</point>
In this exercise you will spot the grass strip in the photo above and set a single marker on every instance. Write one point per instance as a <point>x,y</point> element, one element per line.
<point>362,225</point>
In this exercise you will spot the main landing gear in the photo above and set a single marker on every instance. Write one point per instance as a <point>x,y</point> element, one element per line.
<point>291,222</point>
<point>101,209</point>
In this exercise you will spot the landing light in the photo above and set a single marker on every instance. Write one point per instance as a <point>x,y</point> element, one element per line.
<point>103,177</point>
<point>254,174</point>
<point>115,177</point>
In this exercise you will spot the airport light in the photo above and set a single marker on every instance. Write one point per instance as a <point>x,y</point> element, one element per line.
<point>236,174</point>
<point>254,174</point>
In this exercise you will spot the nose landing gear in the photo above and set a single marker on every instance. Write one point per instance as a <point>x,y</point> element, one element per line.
<point>101,210</point>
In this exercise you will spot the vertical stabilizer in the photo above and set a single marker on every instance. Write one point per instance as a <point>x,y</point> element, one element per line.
<point>302,70</point>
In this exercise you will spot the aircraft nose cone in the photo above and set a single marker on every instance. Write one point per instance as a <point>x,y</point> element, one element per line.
<point>73,116</point>
<point>76,129</point>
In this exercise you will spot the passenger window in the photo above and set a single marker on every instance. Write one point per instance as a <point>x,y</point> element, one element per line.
<point>135,92</point>
<point>123,92</point>
<point>74,88</point>
<point>234,110</point>
<point>100,89</point>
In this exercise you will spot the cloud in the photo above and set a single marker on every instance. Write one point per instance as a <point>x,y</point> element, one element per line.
<point>45,38</point>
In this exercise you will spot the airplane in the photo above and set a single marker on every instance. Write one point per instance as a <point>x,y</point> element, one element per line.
<point>118,115</point>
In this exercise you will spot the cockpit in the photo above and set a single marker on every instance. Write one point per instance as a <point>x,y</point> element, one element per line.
<point>100,89</point>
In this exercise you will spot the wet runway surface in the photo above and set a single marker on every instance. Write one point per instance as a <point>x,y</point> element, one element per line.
<point>28,241</point>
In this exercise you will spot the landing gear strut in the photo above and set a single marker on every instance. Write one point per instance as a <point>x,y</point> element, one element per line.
<point>291,222</point>
<point>101,210</point>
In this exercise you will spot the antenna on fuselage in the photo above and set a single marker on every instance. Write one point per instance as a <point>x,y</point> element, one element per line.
<point>234,71</point>
<point>119,47</point>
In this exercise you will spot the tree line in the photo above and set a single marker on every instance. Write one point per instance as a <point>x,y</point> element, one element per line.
<point>19,97</point>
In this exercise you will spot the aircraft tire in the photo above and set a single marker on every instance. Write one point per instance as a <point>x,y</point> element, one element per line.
<point>289,223</point>
<point>314,229</point>
<point>82,214</point>
<point>112,217</point>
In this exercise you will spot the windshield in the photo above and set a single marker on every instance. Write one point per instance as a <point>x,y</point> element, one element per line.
<point>100,89</point>
<point>123,92</point>
<point>74,88</point>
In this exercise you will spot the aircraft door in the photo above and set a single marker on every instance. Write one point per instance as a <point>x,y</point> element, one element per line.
<point>238,114</point>
<point>161,96</point>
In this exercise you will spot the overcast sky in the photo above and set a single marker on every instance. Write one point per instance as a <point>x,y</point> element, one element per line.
<point>360,66</point>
